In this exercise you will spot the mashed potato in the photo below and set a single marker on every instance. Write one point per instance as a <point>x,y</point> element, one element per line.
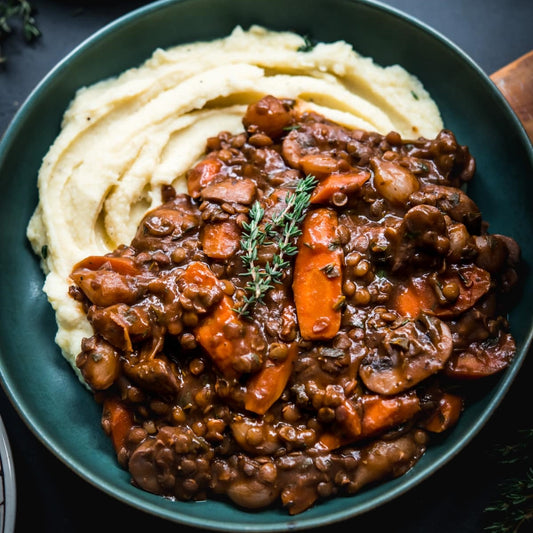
<point>123,138</point>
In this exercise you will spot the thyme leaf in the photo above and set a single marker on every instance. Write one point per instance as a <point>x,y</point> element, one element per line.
<point>284,229</point>
<point>512,509</point>
<point>308,44</point>
<point>17,9</point>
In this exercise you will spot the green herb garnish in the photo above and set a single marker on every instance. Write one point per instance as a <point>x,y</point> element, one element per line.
<point>512,510</point>
<point>308,44</point>
<point>292,127</point>
<point>284,226</point>
<point>17,9</point>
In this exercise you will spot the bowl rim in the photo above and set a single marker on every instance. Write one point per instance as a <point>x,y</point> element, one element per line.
<point>7,479</point>
<point>407,481</point>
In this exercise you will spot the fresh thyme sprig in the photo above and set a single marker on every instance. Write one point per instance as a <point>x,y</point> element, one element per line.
<point>284,226</point>
<point>22,9</point>
<point>512,511</point>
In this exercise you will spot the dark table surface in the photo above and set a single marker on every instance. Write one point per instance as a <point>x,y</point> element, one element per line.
<point>51,498</point>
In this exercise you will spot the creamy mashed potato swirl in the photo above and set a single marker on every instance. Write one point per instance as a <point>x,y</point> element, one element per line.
<point>123,138</point>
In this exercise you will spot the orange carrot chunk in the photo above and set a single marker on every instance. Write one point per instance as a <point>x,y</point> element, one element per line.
<point>267,385</point>
<point>202,174</point>
<point>370,416</point>
<point>347,184</point>
<point>317,284</point>
<point>199,274</point>
<point>211,334</point>
<point>446,415</point>
<point>120,422</point>
<point>221,332</point>
<point>447,295</point>
<point>381,413</point>
<point>107,280</point>
<point>220,240</point>
<point>121,265</point>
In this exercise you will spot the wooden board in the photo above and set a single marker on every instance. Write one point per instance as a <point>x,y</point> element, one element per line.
<point>515,81</point>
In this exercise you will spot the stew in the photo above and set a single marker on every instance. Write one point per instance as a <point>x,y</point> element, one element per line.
<point>301,322</point>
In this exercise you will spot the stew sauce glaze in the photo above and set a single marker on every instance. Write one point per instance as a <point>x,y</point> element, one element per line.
<point>340,375</point>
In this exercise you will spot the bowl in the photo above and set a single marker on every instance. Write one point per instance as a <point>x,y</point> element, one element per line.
<point>31,367</point>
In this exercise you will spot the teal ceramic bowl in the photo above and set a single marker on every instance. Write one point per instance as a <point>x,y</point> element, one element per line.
<point>41,384</point>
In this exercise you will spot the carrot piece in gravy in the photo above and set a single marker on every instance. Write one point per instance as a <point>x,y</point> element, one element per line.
<point>221,332</point>
<point>267,385</point>
<point>371,416</point>
<point>380,413</point>
<point>447,295</point>
<point>446,415</point>
<point>202,174</point>
<point>120,421</point>
<point>220,240</point>
<point>338,183</point>
<point>121,265</point>
<point>317,284</point>
<point>211,334</point>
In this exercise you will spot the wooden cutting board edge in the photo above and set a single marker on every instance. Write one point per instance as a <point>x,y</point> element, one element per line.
<point>515,81</point>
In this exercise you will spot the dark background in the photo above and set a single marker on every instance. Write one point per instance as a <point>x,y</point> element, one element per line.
<point>50,498</point>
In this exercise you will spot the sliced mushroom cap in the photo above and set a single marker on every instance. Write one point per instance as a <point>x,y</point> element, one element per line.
<point>161,227</point>
<point>153,373</point>
<point>313,147</point>
<point>142,466</point>
<point>481,359</point>
<point>98,363</point>
<point>251,493</point>
<point>407,355</point>
<point>452,201</point>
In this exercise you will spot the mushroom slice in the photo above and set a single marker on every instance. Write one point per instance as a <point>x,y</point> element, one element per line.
<point>482,358</point>
<point>407,355</point>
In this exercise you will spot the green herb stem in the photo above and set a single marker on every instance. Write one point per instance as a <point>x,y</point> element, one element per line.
<point>512,510</point>
<point>13,9</point>
<point>285,227</point>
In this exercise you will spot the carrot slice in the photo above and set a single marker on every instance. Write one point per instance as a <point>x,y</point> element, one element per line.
<point>212,336</point>
<point>370,416</point>
<point>338,183</point>
<point>220,240</point>
<point>199,274</point>
<point>202,174</point>
<point>381,413</point>
<point>222,333</point>
<point>121,265</point>
<point>420,294</point>
<point>446,415</point>
<point>107,280</point>
<point>410,302</point>
<point>317,284</point>
<point>120,421</point>
<point>267,385</point>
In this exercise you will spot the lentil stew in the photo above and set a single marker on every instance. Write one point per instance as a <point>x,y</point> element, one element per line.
<point>303,321</point>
